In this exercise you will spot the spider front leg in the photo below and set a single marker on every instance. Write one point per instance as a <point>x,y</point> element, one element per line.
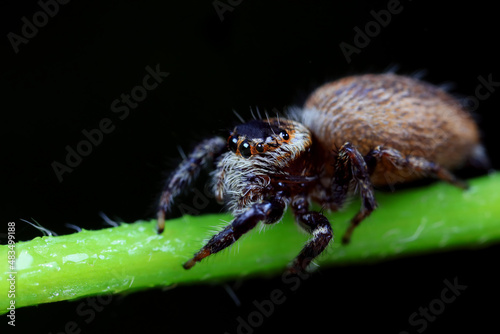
<point>351,166</point>
<point>268,211</point>
<point>316,224</point>
<point>186,172</point>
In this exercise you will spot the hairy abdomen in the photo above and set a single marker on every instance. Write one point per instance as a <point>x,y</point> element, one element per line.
<point>399,112</point>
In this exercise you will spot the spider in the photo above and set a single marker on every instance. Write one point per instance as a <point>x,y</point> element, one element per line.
<point>351,135</point>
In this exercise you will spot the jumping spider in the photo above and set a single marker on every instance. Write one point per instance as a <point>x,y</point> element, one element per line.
<point>351,135</point>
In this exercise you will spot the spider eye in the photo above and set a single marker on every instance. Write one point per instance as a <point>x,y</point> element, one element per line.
<point>232,143</point>
<point>259,147</point>
<point>284,135</point>
<point>245,149</point>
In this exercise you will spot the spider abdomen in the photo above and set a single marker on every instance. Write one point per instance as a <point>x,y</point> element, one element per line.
<point>405,114</point>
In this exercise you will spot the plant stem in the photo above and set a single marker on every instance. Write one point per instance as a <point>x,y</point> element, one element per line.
<point>133,257</point>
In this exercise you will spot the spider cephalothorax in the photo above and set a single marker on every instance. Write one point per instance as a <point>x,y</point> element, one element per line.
<point>261,152</point>
<point>350,134</point>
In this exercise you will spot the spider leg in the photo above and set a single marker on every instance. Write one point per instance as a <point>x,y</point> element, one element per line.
<point>268,211</point>
<point>186,172</point>
<point>316,224</point>
<point>351,166</point>
<point>415,164</point>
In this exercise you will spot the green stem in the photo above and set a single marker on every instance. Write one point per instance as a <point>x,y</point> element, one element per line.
<point>133,257</point>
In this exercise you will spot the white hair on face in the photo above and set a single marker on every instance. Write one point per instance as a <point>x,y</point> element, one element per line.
<point>240,182</point>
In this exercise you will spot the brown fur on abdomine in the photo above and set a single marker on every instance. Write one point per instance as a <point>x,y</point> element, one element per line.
<point>403,113</point>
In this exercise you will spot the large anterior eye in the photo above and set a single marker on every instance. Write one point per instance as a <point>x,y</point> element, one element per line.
<point>232,143</point>
<point>284,135</point>
<point>244,149</point>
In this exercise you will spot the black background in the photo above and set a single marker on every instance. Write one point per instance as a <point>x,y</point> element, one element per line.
<point>263,54</point>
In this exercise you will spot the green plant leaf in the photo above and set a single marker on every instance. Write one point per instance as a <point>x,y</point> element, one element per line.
<point>133,257</point>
